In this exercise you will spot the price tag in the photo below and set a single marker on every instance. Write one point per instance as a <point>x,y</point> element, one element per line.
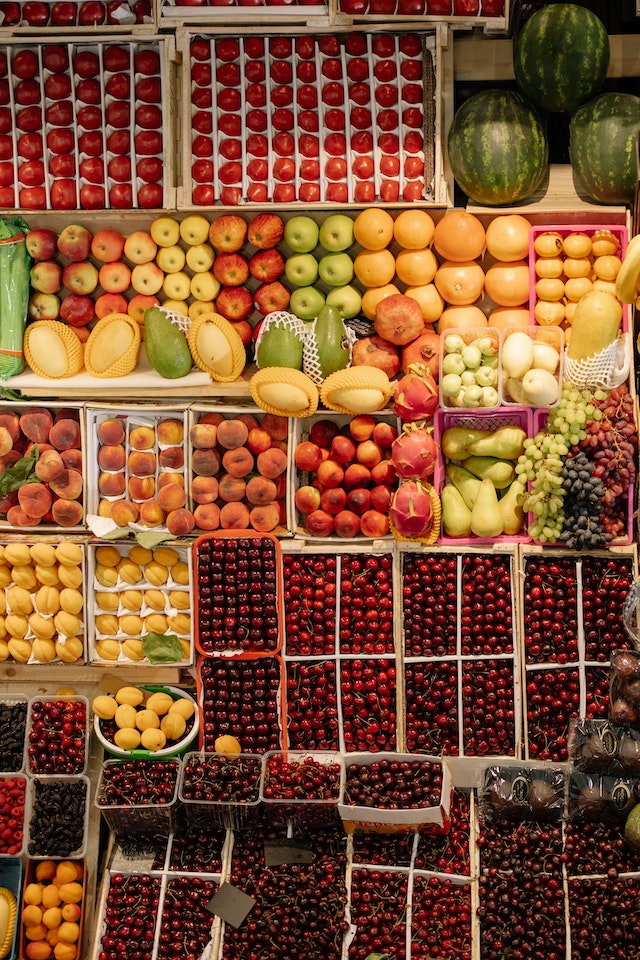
<point>231,905</point>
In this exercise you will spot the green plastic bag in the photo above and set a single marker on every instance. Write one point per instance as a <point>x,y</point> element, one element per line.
<point>15,264</point>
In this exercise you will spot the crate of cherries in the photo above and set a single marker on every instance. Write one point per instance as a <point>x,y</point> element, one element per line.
<point>302,787</point>
<point>57,736</point>
<point>220,789</point>
<point>139,796</point>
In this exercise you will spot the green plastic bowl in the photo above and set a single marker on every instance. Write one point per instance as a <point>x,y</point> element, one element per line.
<point>174,749</point>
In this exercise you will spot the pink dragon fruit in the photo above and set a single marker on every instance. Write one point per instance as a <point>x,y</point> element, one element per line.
<point>410,510</point>
<point>415,396</point>
<point>414,452</point>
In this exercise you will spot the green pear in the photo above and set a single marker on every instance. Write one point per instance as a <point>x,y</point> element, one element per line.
<point>465,482</point>
<point>501,472</point>
<point>455,441</point>
<point>456,515</point>
<point>511,509</point>
<point>507,443</point>
<point>486,518</point>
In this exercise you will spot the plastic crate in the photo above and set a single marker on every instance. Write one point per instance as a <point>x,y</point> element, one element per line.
<point>288,800</point>
<point>213,772</point>
<point>139,814</point>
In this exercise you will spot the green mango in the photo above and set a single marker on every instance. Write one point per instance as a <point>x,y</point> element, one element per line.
<point>280,346</point>
<point>166,345</point>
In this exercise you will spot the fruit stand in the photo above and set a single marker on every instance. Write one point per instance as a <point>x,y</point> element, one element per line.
<point>318,501</point>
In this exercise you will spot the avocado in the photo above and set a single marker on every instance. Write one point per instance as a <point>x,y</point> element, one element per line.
<point>281,345</point>
<point>166,345</point>
<point>327,346</point>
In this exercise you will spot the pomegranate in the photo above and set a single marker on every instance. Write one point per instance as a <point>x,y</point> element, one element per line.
<point>425,349</point>
<point>375,351</point>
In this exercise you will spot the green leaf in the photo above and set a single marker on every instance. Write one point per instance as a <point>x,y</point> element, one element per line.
<point>162,648</point>
<point>151,538</point>
<point>118,533</point>
<point>20,473</point>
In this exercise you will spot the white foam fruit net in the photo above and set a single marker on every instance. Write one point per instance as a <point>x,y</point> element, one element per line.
<point>180,320</point>
<point>631,613</point>
<point>607,369</point>
<point>311,358</point>
<point>281,318</point>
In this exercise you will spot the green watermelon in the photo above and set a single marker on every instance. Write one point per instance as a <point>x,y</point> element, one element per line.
<point>603,135</point>
<point>498,149</point>
<point>561,56</point>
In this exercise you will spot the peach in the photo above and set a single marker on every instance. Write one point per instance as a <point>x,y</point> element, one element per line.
<point>36,424</point>
<point>6,441</point>
<point>329,474</point>
<point>204,489</point>
<point>307,456</point>
<point>250,422</point>
<point>142,463</point>
<point>171,457</point>
<point>72,458</point>
<point>205,463</point>
<point>104,508</point>
<point>383,472</point>
<point>358,499</point>
<point>40,447</point>
<point>232,433</point>
<point>141,488</point>
<point>49,465</point>
<point>65,434</point>
<point>231,489</point>
<point>9,459</point>
<point>258,440</point>
<point>203,435</point>
<point>170,431</point>
<point>9,500</point>
<point>234,516</point>
<point>265,517</point>
<point>111,431</point>
<point>260,491</point>
<point>307,499</point>
<point>11,422</point>
<point>111,484</point>
<point>171,497</point>
<point>207,516</point>
<point>276,426</point>
<point>333,500</point>
<point>124,512</point>
<point>319,523</point>
<point>180,522</point>
<point>168,477</point>
<point>66,413</point>
<point>151,514</point>
<point>211,416</point>
<point>381,497</point>
<point>35,499</point>
<point>361,426</point>
<point>271,463</point>
<point>281,486</point>
<point>384,434</point>
<point>356,475</point>
<point>67,485</point>
<point>373,523</point>
<point>18,518</point>
<point>111,456</point>
<point>142,438</point>
<point>238,462</point>
<point>347,524</point>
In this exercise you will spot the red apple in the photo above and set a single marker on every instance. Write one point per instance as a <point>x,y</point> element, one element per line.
<point>60,140</point>
<point>41,243</point>
<point>62,165</point>
<point>234,303</point>
<point>265,230</point>
<point>271,296</point>
<point>77,310</point>
<point>63,193</point>
<point>266,265</point>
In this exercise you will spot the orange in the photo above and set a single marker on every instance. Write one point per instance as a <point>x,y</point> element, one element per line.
<point>374,268</point>
<point>372,297</point>
<point>506,318</point>
<point>413,229</point>
<point>459,236</point>
<point>577,245</point>
<point>416,267</point>
<point>507,237</point>
<point>571,267</point>
<point>373,228</point>
<point>508,283</point>
<point>467,317</point>
<point>460,283</point>
<point>549,313</point>
<point>429,299</point>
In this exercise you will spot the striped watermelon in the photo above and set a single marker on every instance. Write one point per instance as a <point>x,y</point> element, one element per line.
<point>603,134</point>
<point>561,56</point>
<point>497,147</point>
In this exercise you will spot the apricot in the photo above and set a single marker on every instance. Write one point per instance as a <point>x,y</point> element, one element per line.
<point>127,738</point>
<point>38,950</point>
<point>111,456</point>
<point>35,931</point>
<point>171,458</point>
<point>147,719</point>
<point>207,516</point>
<point>65,434</point>
<point>16,517</point>
<point>50,895</point>
<point>68,484</point>
<point>260,491</point>
<point>71,911</point>
<point>35,499</point>
<point>171,497</point>
<point>52,917</point>
<point>238,462</point>
<point>203,435</point>
<point>72,458</point>
<point>151,514</point>
<point>265,517</point>
<point>111,431</point>
<point>132,649</point>
<point>49,465</point>
<point>227,745</point>
<point>141,463</point>
<point>104,508</point>
<point>66,513</point>
<point>142,438</point>
<point>180,623</point>
<point>231,489</point>
<point>180,522</point>
<point>155,599</point>
<point>234,516</point>
<point>67,871</point>
<point>204,489</point>
<point>11,422</point>
<point>152,739</point>
<point>180,572</point>
<point>168,476</point>
<point>170,431</point>
<point>43,554</point>
<point>276,426</point>
<point>271,463</point>
<point>167,556</point>
<point>232,433</point>
<point>70,576</point>
<point>131,600</point>
<point>124,512</point>
<point>32,915</point>
<point>155,623</point>
<point>141,488</point>
<point>173,726</point>
<point>128,571</point>
<point>36,424</point>
<point>69,554</point>
<point>205,463</point>
<point>32,893</point>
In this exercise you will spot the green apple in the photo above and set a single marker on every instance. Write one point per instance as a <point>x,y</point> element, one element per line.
<point>336,269</point>
<point>306,302</point>
<point>346,299</point>
<point>336,232</point>
<point>301,234</point>
<point>301,269</point>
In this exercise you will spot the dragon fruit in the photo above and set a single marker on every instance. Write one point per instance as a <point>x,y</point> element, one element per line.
<point>415,396</point>
<point>414,452</point>
<point>411,509</point>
